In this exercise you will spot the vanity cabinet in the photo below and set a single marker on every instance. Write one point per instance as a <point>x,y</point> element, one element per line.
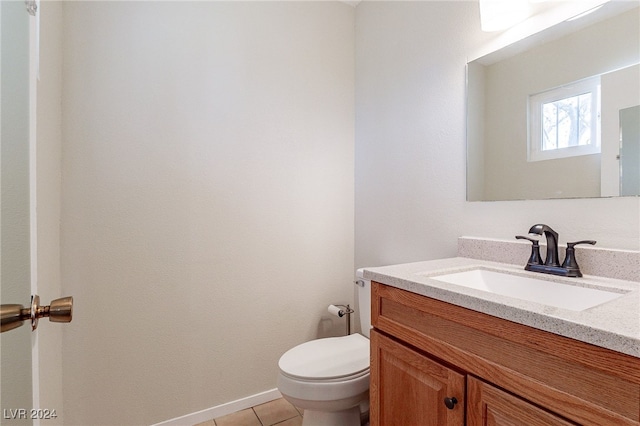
<point>408,382</point>
<point>491,406</point>
<point>425,352</point>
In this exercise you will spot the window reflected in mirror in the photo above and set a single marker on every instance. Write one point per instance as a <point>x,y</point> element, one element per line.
<point>543,121</point>
<point>565,121</point>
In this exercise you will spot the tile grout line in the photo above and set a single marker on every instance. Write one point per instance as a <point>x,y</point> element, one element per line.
<point>266,422</point>
<point>257,416</point>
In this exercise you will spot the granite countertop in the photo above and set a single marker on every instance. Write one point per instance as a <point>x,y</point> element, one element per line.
<point>613,325</point>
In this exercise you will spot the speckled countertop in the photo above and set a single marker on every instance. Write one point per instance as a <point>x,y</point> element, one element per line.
<point>614,325</point>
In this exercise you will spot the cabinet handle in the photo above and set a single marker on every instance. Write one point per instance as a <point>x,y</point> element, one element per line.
<point>450,402</point>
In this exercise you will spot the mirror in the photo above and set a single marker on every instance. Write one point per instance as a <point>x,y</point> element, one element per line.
<point>500,87</point>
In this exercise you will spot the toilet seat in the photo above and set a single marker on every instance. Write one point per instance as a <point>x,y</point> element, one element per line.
<point>329,359</point>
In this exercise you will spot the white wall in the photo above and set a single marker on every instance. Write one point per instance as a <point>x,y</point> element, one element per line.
<point>207,198</point>
<point>410,144</point>
<point>475,131</point>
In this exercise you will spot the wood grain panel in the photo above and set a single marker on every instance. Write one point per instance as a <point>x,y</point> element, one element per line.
<point>409,388</point>
<point>588,384</point>
<point>490,406</point>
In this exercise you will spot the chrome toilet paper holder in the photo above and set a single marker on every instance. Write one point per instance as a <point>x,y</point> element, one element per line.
<point>345,311</point>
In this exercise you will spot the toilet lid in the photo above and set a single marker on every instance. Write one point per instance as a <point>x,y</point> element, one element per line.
<point>329,358</point>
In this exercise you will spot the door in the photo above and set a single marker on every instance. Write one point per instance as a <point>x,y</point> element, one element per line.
<point>630,151</point>
<point>15,282</point>
<point>490,406</point>
<point>408,388</point>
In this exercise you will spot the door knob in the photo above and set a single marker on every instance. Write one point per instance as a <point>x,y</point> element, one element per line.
<point>60,310</point>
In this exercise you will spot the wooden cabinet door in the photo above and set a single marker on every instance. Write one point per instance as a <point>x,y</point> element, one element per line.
<point>490,406</point>
<point>409,389</point>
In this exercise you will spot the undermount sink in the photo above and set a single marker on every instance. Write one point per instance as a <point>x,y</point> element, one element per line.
<point>551,293</point>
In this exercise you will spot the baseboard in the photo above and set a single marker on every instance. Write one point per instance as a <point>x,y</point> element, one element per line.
<point>222,410</point>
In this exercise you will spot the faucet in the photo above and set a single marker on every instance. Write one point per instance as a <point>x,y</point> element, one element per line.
<point>551,265</point>
<point>552,242</point>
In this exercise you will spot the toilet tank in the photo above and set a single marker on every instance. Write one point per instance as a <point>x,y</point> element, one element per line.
<point>363,288</point>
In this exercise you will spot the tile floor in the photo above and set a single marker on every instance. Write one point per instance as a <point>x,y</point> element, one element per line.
<point>278,412</point>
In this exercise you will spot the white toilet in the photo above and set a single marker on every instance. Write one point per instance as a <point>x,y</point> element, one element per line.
<point>329,378</point>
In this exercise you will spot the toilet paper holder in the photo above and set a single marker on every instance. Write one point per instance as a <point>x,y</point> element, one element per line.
<point>345,311</point>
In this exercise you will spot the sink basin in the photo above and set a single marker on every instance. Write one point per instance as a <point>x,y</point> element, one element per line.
<point>549,293</point>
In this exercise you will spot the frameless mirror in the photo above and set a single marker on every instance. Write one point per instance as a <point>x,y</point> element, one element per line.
<point>532,133</point>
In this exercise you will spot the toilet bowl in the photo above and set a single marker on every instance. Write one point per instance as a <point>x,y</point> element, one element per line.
<point>329,378</point>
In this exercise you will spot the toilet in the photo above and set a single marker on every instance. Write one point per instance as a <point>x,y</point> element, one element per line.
<point>329,378</point>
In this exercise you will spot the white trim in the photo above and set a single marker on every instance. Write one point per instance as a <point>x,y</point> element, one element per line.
<point>534,140</point>
<point>222,410</point>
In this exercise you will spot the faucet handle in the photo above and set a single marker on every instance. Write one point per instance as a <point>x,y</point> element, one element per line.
<point>522,237</point>
<point>534,258</point>
<point>570,263</point>
<point>571,245</point>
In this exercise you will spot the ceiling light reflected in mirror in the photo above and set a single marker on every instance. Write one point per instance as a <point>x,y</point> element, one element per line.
<point>496,15</point>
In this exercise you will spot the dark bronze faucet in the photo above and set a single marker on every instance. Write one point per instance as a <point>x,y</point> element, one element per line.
<point>552,243</point>
<point>551,264</point>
